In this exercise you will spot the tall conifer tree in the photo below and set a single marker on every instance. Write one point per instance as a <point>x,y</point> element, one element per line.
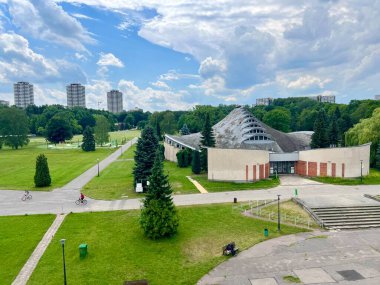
<point>88,139</point>
<point>207,140</point>
<point>42,176</point>
<point>158,216</point>
<point>145,153</point>
<point>377,163</point>
<point>320,137</point>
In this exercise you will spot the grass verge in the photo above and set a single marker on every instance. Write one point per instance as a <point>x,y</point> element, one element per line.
<point>119,251</point>
<point>116,181</point>
<point>219,186</point>
<point>19,235</point>
<point>372,179</point>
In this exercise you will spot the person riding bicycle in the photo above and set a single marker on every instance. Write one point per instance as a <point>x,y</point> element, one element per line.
<point>26,193</point>
<point>81,197</point>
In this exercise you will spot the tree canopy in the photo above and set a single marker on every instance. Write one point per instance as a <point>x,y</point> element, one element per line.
<point>13,127</point>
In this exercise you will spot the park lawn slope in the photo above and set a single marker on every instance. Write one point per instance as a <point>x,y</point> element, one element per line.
<point>116,181</point>
<point>118,250</point>
<point>19,235</point>
<point>372,179</point>
<point>64,165</point>
<point>219,186</point>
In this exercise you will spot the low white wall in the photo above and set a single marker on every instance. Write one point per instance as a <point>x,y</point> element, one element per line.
<point>349,156</point>
<point>230,164</point>
<point>170,152</point>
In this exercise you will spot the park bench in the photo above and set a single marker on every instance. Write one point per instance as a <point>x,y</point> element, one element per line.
<point>230,249</point>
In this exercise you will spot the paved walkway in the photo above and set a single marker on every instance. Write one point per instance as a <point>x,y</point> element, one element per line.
<point>63,201</point>
<point>348,257</point>
<point>197,185</point>
<point>25,273</point>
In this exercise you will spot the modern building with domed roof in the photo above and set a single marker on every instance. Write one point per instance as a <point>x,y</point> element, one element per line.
<point>249,150</point>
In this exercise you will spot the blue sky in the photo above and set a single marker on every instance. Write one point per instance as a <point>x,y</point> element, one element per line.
<point>176,54</point>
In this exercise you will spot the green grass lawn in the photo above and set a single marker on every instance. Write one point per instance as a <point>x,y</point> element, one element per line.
<point>116,181</point>
<point>19,235</point>
<point>372,179</point>
<point>218,186</point>
<point>116,136</point>
<point>64,164</point>
<point>118,250</point>
<point>290,212</point>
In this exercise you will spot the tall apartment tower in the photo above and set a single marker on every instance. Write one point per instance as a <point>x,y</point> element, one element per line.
<point>115,101</point>
<point>76,95</point>
<point>24,95</point>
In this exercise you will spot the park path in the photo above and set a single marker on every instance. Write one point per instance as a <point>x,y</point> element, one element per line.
<point>25,273</point>
<point>80,181</point>
<point>197,185</point>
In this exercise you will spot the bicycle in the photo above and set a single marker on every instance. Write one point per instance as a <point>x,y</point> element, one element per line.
<point>81,202</point>
<point>26,197</point>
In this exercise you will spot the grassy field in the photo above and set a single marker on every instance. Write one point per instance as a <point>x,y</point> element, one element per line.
<point>372,179</point>
<point>19,235</point>
<point>116,181</point>
<point>116,136</point>
<point>118,250</point>
<point>64,164</point>
<point>290,212</point>
<point>218,186</point>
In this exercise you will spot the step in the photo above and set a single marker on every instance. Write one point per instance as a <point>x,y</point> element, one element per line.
<point>364,215</point>
<point>347,208</point>
<point>348,211</point>
<point>352,227</point>
<point>352,223</point>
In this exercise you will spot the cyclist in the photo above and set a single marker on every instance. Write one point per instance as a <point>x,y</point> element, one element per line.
<point>26,193</point>
<point>81,197</point>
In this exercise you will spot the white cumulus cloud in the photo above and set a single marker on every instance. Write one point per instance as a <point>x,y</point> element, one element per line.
<point>108,59</point>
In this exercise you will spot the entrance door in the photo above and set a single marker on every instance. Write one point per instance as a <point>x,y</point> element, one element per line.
<point>282,167</point>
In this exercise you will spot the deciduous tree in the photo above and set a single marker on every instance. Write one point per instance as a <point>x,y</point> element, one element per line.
<point>88,139</point>
<point>102,127</point>
<point>14,127</point>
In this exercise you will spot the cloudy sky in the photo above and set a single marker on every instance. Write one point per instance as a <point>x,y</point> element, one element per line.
<point>176,54</point>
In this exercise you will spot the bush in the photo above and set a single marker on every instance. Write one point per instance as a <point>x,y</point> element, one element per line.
<point>196,162</point>
<point>42,175</point>
<point>184,157</point>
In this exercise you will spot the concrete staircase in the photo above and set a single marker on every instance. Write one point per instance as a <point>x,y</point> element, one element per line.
<point>353,217</point>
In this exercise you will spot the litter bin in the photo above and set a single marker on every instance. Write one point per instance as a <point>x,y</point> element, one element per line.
<point>82,250</point>
<point>235,200</point>
<point>266,233</point>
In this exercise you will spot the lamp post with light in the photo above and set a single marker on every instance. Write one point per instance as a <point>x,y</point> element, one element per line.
<point>278,213</point>
<point>361,171</point>
<point>64,263</point>
<point>98,165</point>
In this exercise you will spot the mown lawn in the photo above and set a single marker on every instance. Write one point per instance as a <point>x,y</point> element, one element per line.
<point>118,250</point>
<point>19,235</point>
<point>18,166</point>
<point>372,179</point>
<point>218,186</point>
<point>290,213</point>
<point>116,181</point>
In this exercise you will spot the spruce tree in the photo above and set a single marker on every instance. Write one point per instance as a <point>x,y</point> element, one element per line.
<point>207,140</point>
<point>320,139</point>
<point>196,162</point>
<point>158,215</point>
<point>42,175</point>
<point>145,153</point>
<point>333,132</point>
<point>377,163</point>
<point>88,139</point>
<point>158,130</point>
<point>184,130</point>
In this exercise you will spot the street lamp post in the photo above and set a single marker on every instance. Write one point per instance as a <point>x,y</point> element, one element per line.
<point>98,165</point>
<point>64,264</point>
<point>278,213</point>
<point>361,171</point>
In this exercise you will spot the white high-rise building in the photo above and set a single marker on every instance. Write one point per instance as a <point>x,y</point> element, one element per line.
<point>324,98</point>
<point>76,95</point>
<point>115,101</point>
<point>24,95</point>
<point>264,101</point>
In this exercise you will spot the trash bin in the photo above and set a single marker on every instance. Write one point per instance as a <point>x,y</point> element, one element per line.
<point>82,250</point>
<point>235,200</point>
<point>266,233</point>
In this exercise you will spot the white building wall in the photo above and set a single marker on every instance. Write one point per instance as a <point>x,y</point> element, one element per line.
<point>236,164</point>
<point>351,157</point>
